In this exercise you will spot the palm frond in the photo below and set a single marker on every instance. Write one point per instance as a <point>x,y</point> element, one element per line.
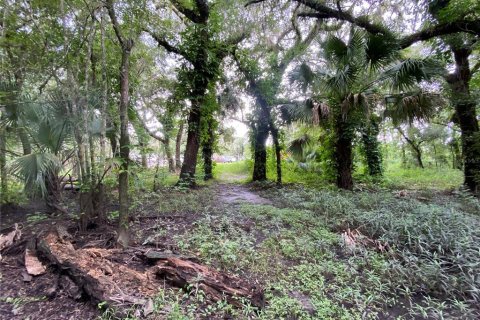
<point>302,75</point>
<point>35,168</point>
<point>381,49</point>
<point>406,74</point>
<point>408,107</point>
<point>298,146</point>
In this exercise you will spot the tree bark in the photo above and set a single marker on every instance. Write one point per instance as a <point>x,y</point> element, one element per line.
<point>126,46</point>
<point>26,145</point>
<point>187,173</point>
<point>278,151</point>
<point>261,130</point>
<point>3,167</point>
<point>123,228</point>
<point>178,144</point>
<point>415,148</point>
<point>53,196</point>
<point>168,153</point>
<point>343,155</point>
<point>207,153</point>
<point>466,114</point>
<point>371,147</point>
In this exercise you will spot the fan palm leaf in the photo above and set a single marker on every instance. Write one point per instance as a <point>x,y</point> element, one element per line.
<point>35,169</point>
<point>408,107</point>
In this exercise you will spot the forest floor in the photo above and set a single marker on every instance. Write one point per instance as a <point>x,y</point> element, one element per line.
<point>315,253</point>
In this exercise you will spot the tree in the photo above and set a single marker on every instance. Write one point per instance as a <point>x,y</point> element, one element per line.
<point>347,89</point>
<point>265,89</point>
<point>459,16</point>
<point>126,46</point>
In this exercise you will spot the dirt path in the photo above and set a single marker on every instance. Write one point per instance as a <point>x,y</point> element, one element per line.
<point>237,193</point>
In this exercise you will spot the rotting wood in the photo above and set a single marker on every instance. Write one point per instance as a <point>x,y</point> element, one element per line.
<point>8,239</point>
<point>32,264</point>
<point>96,274</point>
<point>216,285</point>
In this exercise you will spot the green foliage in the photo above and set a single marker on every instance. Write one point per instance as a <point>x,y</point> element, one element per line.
<point>37,169</point>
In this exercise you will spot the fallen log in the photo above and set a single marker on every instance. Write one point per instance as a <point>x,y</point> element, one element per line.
<point>216,285</point>
<point>95,274</point>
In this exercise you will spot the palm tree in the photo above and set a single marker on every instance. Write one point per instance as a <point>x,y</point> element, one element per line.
<point>347,89</point>
<point>50,131</point>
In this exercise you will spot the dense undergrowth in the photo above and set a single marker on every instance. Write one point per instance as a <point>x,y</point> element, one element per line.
<point>381,252</point>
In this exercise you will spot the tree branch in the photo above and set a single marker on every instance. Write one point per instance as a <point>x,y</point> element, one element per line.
<point>441,29</point>
<point>162,42</point>
<point>190,14</point>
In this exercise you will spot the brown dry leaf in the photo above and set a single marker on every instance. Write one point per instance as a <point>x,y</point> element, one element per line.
<point>8,239</point>
<point>32,264</point>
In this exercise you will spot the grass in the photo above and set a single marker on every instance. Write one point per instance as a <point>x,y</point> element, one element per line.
<point>233,172</point>
<point>421,179</point>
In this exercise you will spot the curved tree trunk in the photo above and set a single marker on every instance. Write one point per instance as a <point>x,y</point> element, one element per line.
<point>178,143</point>
<point>344,156</point>
<point>466,114</point>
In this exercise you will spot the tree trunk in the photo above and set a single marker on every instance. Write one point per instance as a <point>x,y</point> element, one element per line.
<point>178,144</point>
<point>207,153</point>
<point>53,196</point>
<point>343,155</point>
<point>169,155</point>
<point>123,227</point>
<point>278,150</point>
<point>187,173</point>
<point>3,167</point>
<point>260,129</point>
<point>27,147</point>
<point>418,155</point>
<point>371,147</point>
<point>464,105</point>
<point>260,132</point>
<point>415,148</point>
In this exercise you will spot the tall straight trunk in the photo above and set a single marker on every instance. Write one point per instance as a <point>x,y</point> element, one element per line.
<point>207,153</point>
<point>123,229</point>
<point>456,154</point>
<point>126,45</point>
<point>187,173</point>
<point>168,154</point>
<point>261,129</point>
<point>3,167</point>
<point>103,110</point>
<point>344,155</point>
<point>278,150</point>
<point>260,133</point>
<point>143,154</point>
<point>465,111</point>
<point>371,147</point>
<point>178,144</point>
